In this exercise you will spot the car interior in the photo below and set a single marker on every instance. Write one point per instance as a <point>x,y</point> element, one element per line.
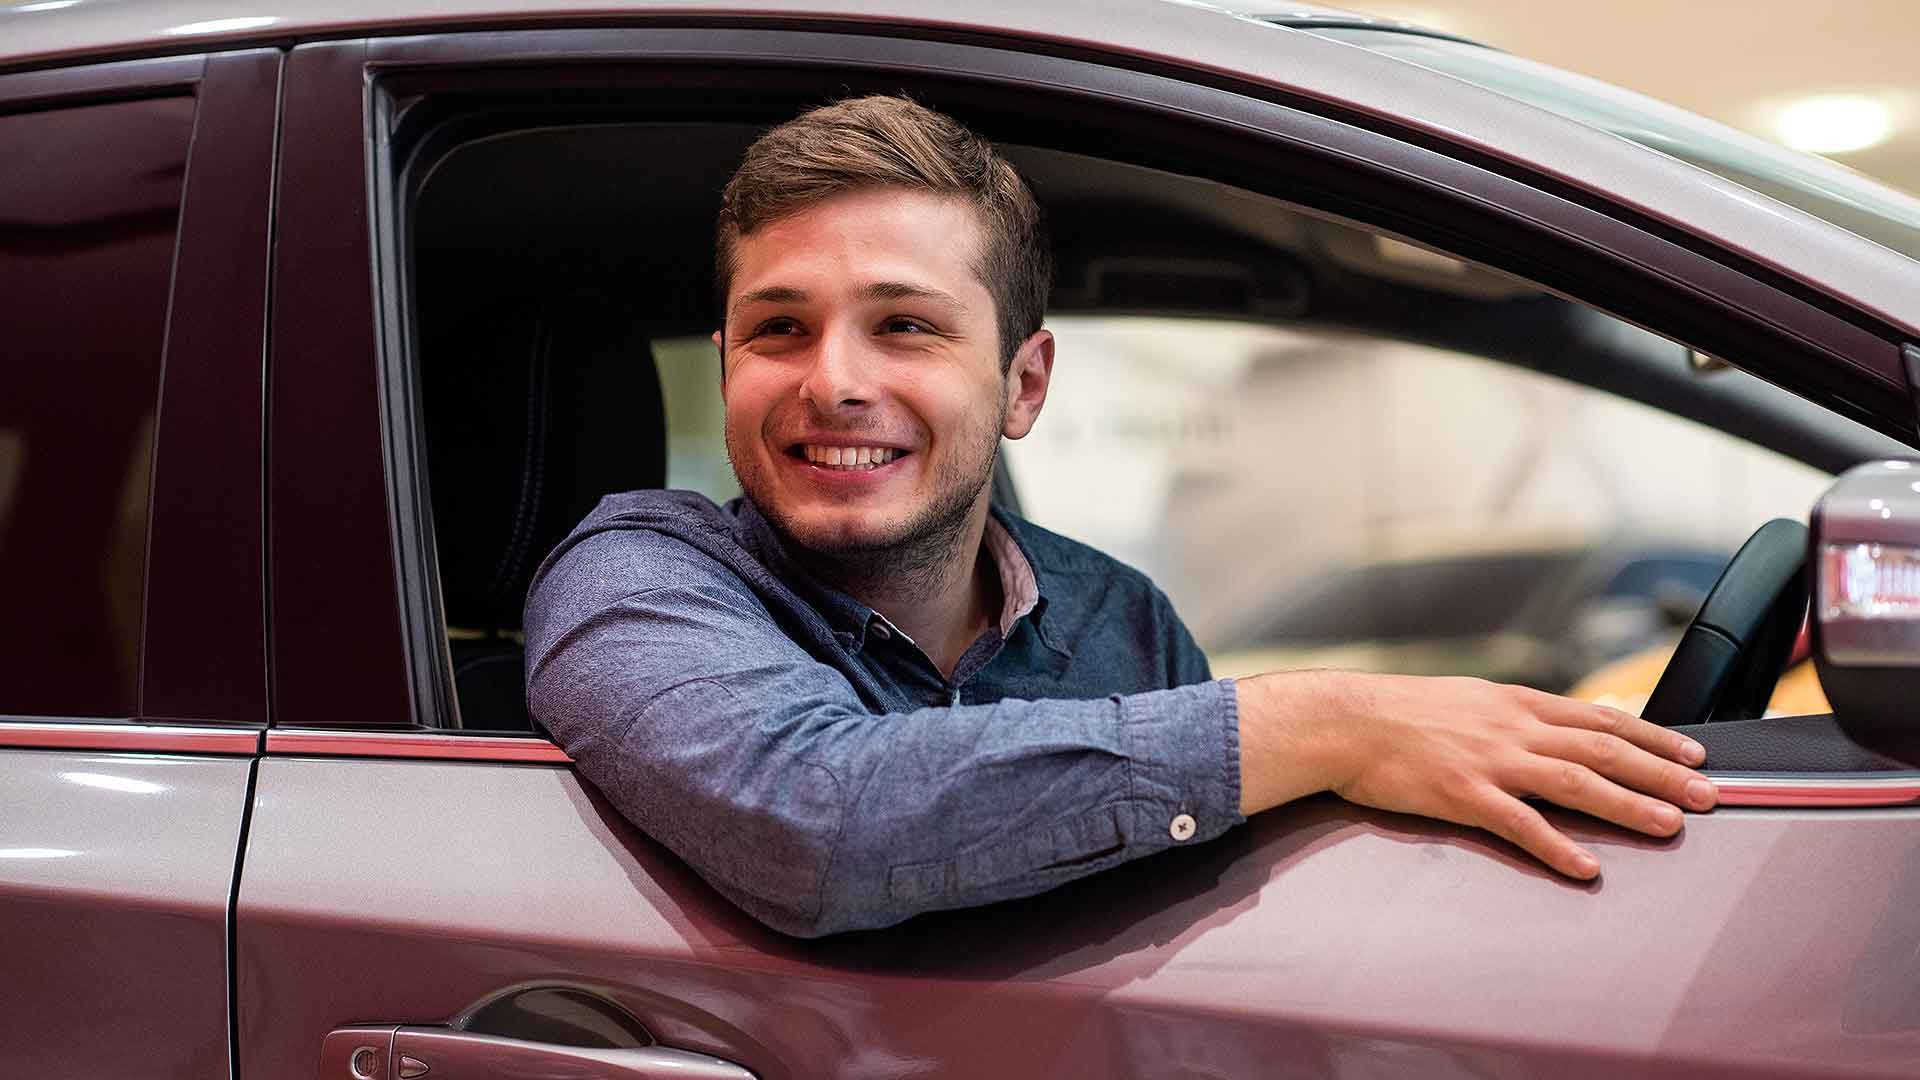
<point>547,247</point>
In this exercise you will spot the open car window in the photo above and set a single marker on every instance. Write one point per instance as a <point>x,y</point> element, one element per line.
<point>1330,446</point>
<point>1313,498</point>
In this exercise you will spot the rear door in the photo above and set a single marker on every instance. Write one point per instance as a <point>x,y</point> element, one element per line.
<point>133,242</point>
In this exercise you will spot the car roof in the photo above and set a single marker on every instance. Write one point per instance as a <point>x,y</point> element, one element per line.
<point>1200,37</point>
<point>35,31</point>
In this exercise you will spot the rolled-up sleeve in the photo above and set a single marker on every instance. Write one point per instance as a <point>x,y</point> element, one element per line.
<point>712,730</point>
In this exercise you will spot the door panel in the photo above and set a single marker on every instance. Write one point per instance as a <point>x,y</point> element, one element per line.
<point>379,892</point>
<point>1319,940</point>
<point>115,871</point>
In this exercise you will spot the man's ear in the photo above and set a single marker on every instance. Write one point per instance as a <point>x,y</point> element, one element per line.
<point>1026,382</point>
<point>719,346</point>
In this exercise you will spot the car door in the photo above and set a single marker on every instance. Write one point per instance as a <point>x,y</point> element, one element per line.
<point>422,898</point>
<point>133,242</point>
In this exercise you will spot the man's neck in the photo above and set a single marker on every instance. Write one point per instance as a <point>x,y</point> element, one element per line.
<point>943,595</point>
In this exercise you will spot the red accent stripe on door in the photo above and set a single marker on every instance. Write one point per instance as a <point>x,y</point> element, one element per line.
<point>408,744</point>
<point>1753,791</point>
<point>122,738</point>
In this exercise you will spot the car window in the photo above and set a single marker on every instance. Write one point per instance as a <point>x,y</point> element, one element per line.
<point>1329,446</point>
<point>1820,187</point>
<point>1308,498</point>
<point>89,206</point>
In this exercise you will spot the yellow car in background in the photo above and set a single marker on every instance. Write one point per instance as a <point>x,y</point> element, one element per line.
<point>1626,683</point>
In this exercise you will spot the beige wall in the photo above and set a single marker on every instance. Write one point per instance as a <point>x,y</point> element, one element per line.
<point>1736,61</point>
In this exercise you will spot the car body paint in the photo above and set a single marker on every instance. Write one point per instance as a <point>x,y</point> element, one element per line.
<point>1318,938</point>
<point>115,872</point>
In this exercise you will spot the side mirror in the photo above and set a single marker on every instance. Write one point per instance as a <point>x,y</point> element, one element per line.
<point>1866,595</point>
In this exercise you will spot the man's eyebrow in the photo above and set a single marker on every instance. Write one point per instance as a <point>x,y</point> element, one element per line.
<point>879,290</point>
<point>904,290</point>
<point>772,294</point>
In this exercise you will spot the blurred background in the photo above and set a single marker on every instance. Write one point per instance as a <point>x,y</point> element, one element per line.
<point>1837,79</point>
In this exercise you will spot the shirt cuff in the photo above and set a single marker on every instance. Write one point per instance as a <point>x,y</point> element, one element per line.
<point>1184,746</point>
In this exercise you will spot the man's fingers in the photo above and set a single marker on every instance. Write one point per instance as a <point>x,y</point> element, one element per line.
<point>1623,762</point>
<point>1567,712</point>
<point>1521,825</point>
<point>1577,787</point>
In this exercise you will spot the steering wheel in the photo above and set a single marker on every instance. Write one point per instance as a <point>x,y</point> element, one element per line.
<point>1737,644</point>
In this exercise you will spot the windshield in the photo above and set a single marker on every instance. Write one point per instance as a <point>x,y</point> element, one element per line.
<point>1813,184</point>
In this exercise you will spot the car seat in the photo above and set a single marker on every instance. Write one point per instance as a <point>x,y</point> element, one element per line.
<point>532,413</point>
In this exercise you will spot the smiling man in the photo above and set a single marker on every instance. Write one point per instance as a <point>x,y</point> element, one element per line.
<point>867,391</point>
<point>862,692</point>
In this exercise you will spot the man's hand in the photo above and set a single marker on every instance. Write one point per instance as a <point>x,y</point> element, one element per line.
<point>1466,751</point>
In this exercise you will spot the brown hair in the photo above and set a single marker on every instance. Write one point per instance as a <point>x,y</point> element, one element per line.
<point>893,142</point>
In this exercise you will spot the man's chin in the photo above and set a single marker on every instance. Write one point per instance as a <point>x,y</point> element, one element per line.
<point>842,534</point>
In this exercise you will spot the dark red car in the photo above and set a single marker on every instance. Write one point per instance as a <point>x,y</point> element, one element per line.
<point>321,322</point>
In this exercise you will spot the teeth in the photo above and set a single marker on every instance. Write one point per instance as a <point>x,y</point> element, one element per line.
<point>850,457</point>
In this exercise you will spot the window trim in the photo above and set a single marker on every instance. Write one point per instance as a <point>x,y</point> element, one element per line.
<point>205,643</point>
<point>64,87</point>
<point>44,733</point>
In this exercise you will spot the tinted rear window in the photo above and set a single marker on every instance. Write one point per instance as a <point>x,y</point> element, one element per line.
<point>89,205</point>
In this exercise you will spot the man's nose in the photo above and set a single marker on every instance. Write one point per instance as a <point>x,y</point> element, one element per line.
<point>841,376</point>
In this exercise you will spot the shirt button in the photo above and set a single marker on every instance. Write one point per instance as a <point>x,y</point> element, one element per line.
<point>880,631</point>
<point>1181,827</point>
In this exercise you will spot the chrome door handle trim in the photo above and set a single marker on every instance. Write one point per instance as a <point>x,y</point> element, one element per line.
<point>453,1053</point>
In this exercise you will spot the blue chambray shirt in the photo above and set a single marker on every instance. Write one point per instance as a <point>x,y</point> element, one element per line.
<point>816,768</point>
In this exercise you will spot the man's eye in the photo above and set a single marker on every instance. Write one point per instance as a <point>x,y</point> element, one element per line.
<point>900,324</point>
<point>776,328</point>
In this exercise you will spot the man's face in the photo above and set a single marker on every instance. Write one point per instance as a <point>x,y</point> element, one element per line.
<point>861,371</point>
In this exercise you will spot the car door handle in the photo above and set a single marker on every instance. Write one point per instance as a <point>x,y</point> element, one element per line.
<point>387,1052</point>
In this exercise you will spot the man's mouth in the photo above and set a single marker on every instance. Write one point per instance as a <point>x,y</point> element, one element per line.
<point>847,458</point>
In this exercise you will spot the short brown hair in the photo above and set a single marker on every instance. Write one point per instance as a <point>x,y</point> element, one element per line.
<point>885,141</point>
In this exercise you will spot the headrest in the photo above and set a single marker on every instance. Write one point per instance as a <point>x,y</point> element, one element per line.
<point>533,413</point>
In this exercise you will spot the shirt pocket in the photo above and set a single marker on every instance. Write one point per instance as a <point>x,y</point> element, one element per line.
<point>1039,858</point>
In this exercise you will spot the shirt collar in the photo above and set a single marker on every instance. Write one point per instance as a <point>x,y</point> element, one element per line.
<point>1020,586</point>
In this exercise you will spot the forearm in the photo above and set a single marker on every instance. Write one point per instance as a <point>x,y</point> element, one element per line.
<point>1292,743</point>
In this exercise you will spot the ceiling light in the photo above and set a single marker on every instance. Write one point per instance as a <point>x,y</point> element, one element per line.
<point>1834,123</point>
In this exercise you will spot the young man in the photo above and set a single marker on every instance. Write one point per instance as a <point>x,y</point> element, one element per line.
<point>861,692</point>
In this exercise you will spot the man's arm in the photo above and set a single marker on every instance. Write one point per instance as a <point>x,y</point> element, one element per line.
<point>680,697</point>
<point>1462,750</point>
<point>709,728</point>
